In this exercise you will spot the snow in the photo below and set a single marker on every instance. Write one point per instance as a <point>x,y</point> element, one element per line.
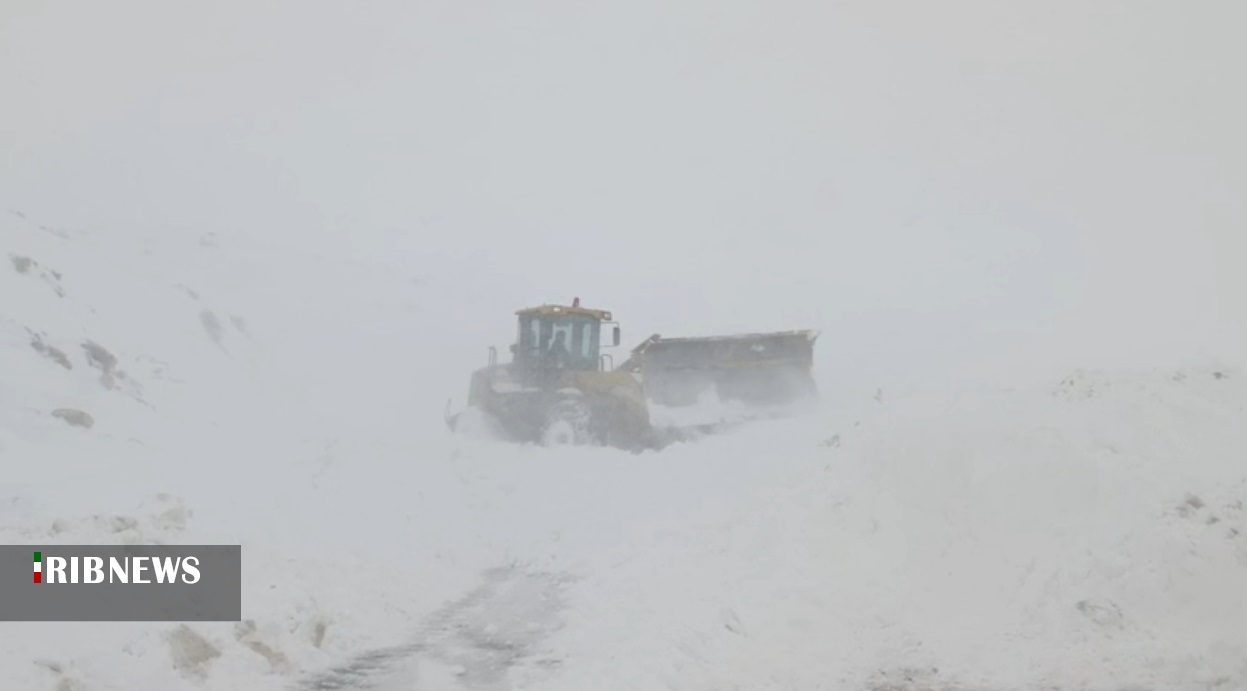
<point>1020,540</point>
<point>708,410</point>
<point>249,250</point>
<point>1083,533</point>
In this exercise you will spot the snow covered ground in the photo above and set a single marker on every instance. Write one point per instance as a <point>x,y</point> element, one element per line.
<point>1086,533</point>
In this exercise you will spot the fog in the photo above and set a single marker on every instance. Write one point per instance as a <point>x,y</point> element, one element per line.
<point>944,190</point>
<point>252,248</point>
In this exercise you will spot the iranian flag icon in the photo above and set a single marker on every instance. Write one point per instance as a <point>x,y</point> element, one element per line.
<point>38,567</point>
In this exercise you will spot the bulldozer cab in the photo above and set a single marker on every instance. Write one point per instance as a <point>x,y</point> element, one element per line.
<point>561,337</point>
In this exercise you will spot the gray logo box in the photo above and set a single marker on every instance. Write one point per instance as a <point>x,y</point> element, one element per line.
<point>215,596</point>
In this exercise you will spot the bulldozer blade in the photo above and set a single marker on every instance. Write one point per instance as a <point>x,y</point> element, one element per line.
<point>749,371</point>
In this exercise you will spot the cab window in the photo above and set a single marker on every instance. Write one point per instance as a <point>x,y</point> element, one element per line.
<point>579,335</point>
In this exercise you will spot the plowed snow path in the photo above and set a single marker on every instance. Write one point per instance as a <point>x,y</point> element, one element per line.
<point>476,639</point>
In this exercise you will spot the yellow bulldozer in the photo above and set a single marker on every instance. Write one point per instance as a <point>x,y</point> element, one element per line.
<point>561,389</point>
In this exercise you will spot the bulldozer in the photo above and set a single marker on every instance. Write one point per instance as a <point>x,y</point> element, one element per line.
<point>560,388</point>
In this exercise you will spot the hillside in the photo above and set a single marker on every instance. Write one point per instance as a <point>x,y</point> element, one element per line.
<point>1086,533</point>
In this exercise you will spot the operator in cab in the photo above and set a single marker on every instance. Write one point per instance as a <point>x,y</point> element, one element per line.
<point>558,353</point>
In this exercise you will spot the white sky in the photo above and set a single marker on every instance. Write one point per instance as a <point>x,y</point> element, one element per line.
<point>934,185</point>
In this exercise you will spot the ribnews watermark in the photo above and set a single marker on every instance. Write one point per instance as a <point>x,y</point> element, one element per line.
<point>121,583</point>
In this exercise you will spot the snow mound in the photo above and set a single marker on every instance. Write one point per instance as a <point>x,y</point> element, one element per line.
<point>1015,541</point>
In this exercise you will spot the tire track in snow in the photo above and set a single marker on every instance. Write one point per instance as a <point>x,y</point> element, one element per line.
<point>481,637</point>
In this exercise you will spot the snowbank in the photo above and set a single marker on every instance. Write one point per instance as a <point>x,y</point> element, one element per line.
<point>1090,536</point>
